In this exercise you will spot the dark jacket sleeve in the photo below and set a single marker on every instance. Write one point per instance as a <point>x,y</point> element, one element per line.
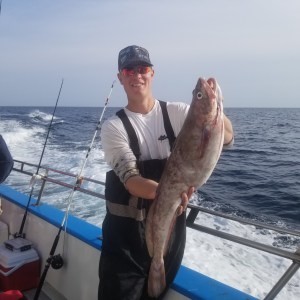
<point>6,160</point>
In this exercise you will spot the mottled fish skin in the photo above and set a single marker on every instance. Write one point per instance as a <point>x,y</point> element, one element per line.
<point>195,154</point>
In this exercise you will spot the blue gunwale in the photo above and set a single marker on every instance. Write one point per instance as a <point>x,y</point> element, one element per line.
<point>188,282</point>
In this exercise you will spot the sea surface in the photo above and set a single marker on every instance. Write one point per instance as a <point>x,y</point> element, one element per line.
<point>258,178</point>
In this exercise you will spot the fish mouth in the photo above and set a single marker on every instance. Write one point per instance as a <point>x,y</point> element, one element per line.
<point>214,95</point>
<point>218,96</point>
<point>212,83</point>
<point>216,89</point>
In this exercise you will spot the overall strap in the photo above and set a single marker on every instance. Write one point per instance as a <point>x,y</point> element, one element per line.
<point>133,140</point>
<point>167,123</point>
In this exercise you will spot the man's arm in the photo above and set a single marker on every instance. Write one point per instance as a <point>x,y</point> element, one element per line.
<point>139,186</point>
<point>146,188</point>
<point>228,132</point>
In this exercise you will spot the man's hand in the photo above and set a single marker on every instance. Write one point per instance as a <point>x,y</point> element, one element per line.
<point>185,197</point>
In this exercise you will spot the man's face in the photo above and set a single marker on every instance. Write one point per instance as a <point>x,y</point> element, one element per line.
<point>136,80</point>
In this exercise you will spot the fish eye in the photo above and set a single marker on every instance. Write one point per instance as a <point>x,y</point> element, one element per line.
<point>199,95</point>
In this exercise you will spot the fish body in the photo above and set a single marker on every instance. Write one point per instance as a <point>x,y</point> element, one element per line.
<point>193,159</point>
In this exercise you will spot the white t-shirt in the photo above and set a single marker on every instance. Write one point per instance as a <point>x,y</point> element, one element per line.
<point>151,136</point>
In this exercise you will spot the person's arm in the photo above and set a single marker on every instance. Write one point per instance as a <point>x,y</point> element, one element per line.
<point>117,151</point>
<point>146,188</point>
<point>228,132</point>
<point>139,186</point>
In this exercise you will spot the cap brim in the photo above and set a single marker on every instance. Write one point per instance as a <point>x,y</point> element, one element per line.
<point>136,63</point>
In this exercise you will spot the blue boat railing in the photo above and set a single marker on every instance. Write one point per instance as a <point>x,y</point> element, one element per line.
<point>46,173</point>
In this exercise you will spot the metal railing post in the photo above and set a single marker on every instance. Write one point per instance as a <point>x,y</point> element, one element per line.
<point>289,273</point>
<point>42,187</point>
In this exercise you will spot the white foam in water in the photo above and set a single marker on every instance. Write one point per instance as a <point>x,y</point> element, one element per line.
<point>23,142</point>
<point>42,116</point>
<point>246,269</point>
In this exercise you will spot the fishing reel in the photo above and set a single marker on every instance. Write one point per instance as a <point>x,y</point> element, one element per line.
<point>57,262</point>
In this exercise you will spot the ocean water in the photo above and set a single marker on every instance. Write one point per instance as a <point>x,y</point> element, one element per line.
<point>258,178</point>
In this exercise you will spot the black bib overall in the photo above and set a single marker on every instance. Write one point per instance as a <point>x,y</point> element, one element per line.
<point>125,262</point>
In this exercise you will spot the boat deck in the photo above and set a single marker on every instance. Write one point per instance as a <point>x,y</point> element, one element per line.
<point>30,295</point>
<point>47,293</point>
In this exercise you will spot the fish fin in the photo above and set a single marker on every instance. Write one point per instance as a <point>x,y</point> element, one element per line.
<point>157,278</point>
<point>168,240</point>
<point>203,142</point>
<point>149,229</point>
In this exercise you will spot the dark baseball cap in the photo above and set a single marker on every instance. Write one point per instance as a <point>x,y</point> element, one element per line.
<point>133,55</point>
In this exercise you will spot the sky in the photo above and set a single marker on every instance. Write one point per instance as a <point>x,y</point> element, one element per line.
<point>251,47</point>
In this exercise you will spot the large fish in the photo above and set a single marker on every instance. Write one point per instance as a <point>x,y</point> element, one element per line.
<point>193,159</point>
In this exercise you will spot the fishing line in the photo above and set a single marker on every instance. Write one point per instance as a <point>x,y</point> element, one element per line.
<point>36,175</point>
<point>78,178</point>
<point>56,261</point>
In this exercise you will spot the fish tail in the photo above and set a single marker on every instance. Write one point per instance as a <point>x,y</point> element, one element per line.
<point>157,278</point>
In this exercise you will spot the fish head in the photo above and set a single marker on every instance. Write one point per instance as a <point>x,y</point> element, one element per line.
<point>207,99</point>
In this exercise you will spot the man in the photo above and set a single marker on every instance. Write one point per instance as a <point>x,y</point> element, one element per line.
<point>137,142</point>
<point>6,161</point>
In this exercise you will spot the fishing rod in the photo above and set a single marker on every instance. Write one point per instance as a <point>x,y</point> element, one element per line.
<point>36,175</point>
<point>56,261</point>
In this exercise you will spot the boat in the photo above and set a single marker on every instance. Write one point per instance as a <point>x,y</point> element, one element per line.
<point>78,247</point>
